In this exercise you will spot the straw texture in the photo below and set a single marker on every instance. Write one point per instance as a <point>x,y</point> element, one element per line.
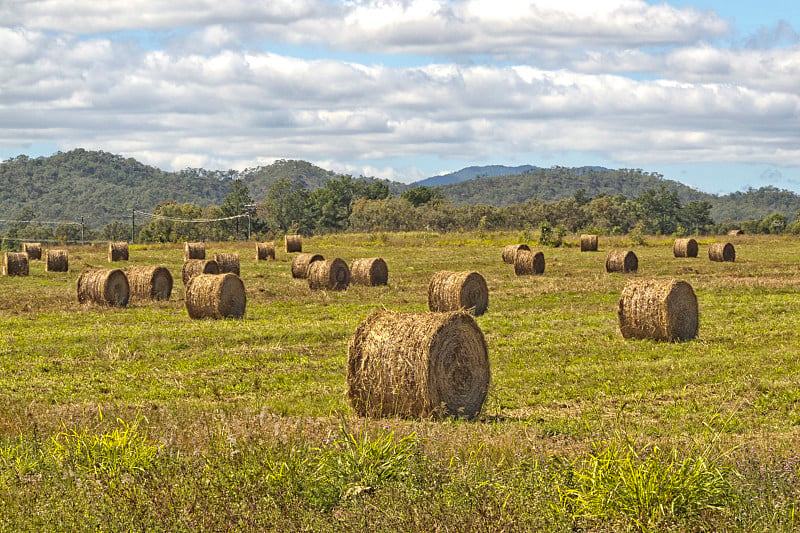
<point>417,365</point>
<point>453,291</point>
<point>215,296</point>
<point>103,286</point>
<point>664,310</point>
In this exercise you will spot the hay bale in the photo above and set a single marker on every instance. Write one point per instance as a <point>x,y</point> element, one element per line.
<point>417,365</point>
<point>195,267</point>
<point>117,251</point>
<point>589,243</point>
<point>216,296</point>
<point>33,249</point>
<point>658,309</point>
<point>149,282</point>
<point>56,261</point>
<point>510,252</point>
<point>294,243</point>
<point>454,291</point>
<point>684,248</point>
<point>300,264</point>
<point>103,286</point>
<point>621,261</point>
<point>721,251</point>
<point>265,251</point>
<point>735,232</point>
<point>15,264</point>
<point>194,250</point>
<point>528,262</point>
<point>370,271</point>
<point>332,275</point>
<point>228,262</point>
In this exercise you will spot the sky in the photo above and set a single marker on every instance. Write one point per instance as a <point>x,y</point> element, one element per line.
<point>705,92</point>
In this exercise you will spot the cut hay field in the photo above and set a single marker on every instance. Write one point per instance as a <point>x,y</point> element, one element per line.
<point>142,419</point>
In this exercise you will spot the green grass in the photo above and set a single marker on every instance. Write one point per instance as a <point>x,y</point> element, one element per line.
<point>143,419</point>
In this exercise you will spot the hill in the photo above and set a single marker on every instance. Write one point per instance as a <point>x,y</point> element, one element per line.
<point>470,173</point>
<point>103,187</point>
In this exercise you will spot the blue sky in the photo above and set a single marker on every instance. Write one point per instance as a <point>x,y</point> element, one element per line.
<point>703,92</point>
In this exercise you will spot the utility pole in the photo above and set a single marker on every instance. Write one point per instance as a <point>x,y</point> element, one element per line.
<point>133,225</point>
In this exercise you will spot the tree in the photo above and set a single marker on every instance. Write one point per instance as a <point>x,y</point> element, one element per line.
<point>237,202</point>
<point>659,210</point>
<point>286,206</point>
<point>116,231</point>
<point>696,215</point>
<point>423,195</point>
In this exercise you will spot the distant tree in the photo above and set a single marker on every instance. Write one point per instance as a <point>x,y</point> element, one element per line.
<point>696,216</point>
<point>774,223</point>
<point>286,206</point>
<point>116,231</point>
<point>659,210</point>
<point>423,195</point>
<point>237,202</point>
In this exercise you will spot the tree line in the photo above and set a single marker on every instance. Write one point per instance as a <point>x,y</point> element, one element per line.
<point>348,204</point>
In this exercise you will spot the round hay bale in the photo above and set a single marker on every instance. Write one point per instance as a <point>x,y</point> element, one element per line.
<point>265,251</point>
<point>300,264</point>
<point>33,249</point>
<point>454,291</point>
<point>370,271</point>
<point>15,264</point>
<point>417,365</point>
<point>117,251</point>
<point>332,275</point>
<point>684,248</point>
<point>528,262</point>
<point>149,282</point>
<point>664,310</point>
<point>104,286</point>
<point>194,250</point>
<point>215,296</point>
<point>56,261</point>
<point>195,267</point>
<point>589,243</point>
<point>294,243</point>
<point>622,261</point>
<point>735,232</point>
<point>510,252</point>
<point>228,262</point>
<point>721,251</point>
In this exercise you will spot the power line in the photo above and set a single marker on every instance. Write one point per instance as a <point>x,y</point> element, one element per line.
<point>54,222</point>
<point>197,220</point>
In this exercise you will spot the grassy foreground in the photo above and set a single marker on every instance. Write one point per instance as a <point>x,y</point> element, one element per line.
<point>140,419</point>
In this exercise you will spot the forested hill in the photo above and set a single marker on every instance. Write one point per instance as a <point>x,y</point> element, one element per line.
<point>103,187</point>
<point>96,185</point>
<point>553,184</point>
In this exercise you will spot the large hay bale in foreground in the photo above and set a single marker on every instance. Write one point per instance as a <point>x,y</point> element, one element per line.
<point>117,251</point>
<point>331,275</point>
<point>194,250</point>
<point>294,243</point>
<point>623,261</point>
<point>684,248</point>
<point>216,296</point>
<point>417,365</point>
<point>300,264</point>
<point>527,262</point>
<point>265,251</point>
<point>454,291</point>
<point>15,264</point>
<point>510,252</point>
<point>56,261</point>
<point>658,309</point>
<point>721,251</point>
<point>103,286</point>
<point>195,267</point>
<point>589,243</point>
<point>33,249</point>
<point>228,262</point>
<point>370,271</point>
<point>149,282</point>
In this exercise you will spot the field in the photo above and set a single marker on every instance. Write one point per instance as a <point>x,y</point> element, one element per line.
<point>142,419</point>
